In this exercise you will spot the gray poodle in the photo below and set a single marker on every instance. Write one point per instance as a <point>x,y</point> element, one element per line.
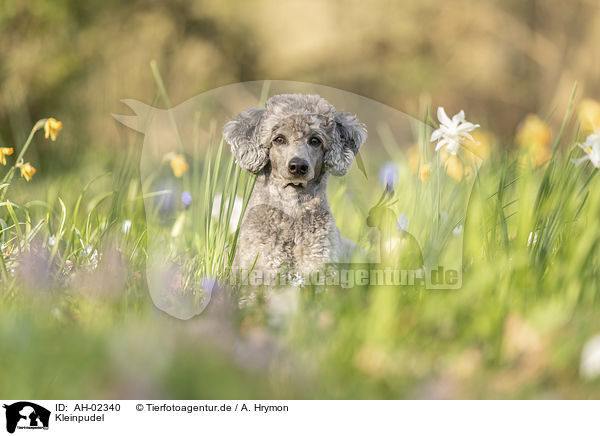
<point>292,145</point>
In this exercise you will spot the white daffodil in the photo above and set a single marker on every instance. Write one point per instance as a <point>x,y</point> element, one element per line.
<point>591,147</point>
<point>452,131</point>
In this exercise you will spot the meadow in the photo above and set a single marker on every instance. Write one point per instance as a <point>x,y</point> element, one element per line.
<point>77,319</point>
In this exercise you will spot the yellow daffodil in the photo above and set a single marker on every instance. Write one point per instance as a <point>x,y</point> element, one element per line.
<point>27,171</point>
<point>5,151</point>
<point>178,165</point>
<point>416,163</point>
<point>480,147</point>
<point>425,172</point>
<point>51,128</point>
<point>412,155</point>
<point>534,138</point>
<point>415,158</point>
<point>454,167</point>
<point>589,115</point>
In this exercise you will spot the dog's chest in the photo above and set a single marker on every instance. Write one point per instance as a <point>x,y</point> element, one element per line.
<point>292,239</point>
<point>311,236</point>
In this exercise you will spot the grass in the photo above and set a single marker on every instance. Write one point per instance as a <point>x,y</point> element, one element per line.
<point>77,319</point>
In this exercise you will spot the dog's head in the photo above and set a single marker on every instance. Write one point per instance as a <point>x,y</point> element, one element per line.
<point>297,137</point>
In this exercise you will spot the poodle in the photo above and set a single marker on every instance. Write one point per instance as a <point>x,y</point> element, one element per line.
<point>293,144</point>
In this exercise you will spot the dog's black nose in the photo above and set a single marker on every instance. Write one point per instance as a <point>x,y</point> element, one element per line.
<point>298,167</point>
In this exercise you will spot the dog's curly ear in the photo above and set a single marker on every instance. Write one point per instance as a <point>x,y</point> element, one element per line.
<point>349,134</point>
<point>243,135</point>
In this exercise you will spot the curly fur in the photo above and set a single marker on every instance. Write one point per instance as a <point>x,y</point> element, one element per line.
<point>288,225</point>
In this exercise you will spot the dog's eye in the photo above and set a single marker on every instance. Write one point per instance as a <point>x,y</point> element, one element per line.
<point>314,141</point>
<point>279,139</point>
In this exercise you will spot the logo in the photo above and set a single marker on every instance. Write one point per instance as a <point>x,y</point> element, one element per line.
<point>26,415</point>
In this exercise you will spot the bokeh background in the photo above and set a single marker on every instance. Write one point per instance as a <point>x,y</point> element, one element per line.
<point>497,59</point>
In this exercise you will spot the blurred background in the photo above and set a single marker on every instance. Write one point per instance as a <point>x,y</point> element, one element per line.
<point>496,59</point>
